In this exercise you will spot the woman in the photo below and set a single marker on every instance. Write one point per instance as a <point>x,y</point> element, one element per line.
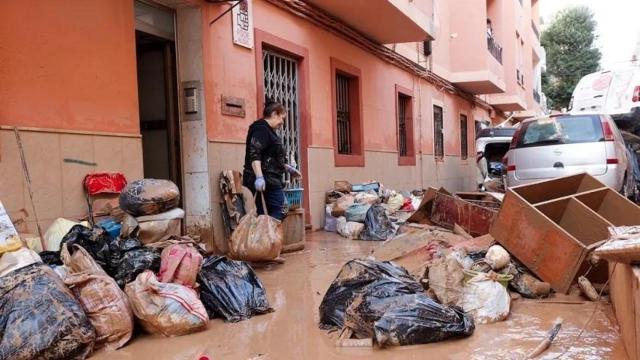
<point>264,160</point>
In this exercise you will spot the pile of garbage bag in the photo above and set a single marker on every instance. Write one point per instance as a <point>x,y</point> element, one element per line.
<point>92,283</point>
<point>368,211</point>
<point>380,300</point>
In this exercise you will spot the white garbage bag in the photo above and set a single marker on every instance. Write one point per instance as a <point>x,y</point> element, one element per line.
<point>485,299</point>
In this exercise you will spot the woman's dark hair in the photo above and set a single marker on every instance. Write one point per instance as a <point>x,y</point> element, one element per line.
<point>270,106</point>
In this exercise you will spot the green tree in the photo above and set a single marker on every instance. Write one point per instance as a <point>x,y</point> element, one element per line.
<point>571,54</point>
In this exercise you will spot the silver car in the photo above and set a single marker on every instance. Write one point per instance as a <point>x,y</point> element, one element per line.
<point>559,145</point>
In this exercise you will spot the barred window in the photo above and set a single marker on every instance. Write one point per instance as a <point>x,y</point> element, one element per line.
<point>464,143</point>
<point>438,133</point>
<point>343,84</point>
<point>404,114</point>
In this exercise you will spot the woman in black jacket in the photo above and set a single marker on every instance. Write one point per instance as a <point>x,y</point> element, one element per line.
<point>265,160</point>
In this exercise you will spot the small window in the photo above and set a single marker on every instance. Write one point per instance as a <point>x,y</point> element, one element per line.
<point>404,108</point>
<point>343,115</point>
<point>438,133</point>
<point>464,143</point>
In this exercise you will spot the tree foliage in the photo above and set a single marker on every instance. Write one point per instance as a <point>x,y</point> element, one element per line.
<point>571,54</point>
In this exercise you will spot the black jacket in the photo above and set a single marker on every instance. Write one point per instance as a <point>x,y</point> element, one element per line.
<point>265,145</point>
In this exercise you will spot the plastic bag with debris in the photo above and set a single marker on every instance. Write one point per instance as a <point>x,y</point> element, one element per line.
<point>355,277</point>
<point>395,202</point>
<point>102,300</point>
<point>446,279</point>
<point>180,264</point>
<point>257,237</point>
<point>40,318</point>
<point>342,204</point>
<point>330,222</point>
<point>165,308</point>
<point>421,320</point>
<point>14,260</point>
<point>357,212</point>
<point>130,258</point>
<point>95,240</point>
<point>149,197</point>
<point>231,289</point>
<point>486,299</point>
<point>377,225</point>
<point>349,229</point>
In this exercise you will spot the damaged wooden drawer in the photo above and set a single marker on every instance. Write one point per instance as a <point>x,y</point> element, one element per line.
<point>552,226</point>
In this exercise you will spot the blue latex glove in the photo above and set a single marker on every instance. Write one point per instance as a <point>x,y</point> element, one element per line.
<point>293,171</point>
<point>259,184</point>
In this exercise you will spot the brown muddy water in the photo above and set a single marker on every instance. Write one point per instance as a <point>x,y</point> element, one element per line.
<point>295,290</point>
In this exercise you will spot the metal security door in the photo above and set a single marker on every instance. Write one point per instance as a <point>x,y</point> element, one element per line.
<point>281,85</point>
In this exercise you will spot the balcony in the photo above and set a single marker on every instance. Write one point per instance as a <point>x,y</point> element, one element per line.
<point>383,21</point>
<point>494,48</point>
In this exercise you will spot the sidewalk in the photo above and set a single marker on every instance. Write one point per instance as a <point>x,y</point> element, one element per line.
<point>295,290</point>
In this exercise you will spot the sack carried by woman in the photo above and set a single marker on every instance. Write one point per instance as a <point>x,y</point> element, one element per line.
<point>257,237</point>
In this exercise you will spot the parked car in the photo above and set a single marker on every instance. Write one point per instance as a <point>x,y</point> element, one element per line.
<point>492,145</point>
<point>613,92</point>
<point>563,144</point>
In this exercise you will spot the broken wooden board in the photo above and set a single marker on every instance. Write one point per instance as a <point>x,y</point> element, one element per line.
<point>625,298</point>
<point>479,243</point>
<point>449,210</point>
<point>414,248</point>
<point>423,213</point>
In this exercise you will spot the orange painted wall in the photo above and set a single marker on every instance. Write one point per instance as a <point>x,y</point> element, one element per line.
<point>68,65</point>
<point>230,70</point>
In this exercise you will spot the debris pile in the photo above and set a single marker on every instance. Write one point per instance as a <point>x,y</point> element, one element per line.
<point>95,279</point>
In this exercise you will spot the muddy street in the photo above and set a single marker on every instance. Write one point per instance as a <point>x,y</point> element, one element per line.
<point>295,290</point>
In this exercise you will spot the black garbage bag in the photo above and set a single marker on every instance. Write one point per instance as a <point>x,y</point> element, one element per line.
<point>129,258</point>
<point>51,257</point>
<point>95,240</point>
<point>369,305</point>
<point>231,289</point>
<point>420,320</point>
<point>386,278</point>
<point>377,226</point>
<point>149,197</point>
<point>40,318</point>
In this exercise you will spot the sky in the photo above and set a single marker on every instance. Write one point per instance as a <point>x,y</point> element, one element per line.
<point>618,26</point>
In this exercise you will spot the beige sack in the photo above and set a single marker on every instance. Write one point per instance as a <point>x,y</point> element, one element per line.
<point>106,307</point>
<point>257,237</point>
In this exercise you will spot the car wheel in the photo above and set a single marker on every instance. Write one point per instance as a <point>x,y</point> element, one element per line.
<point>629,190</point>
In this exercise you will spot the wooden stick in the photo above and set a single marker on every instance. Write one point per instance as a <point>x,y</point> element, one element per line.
<point>544,345</point>
<point>25,171</point>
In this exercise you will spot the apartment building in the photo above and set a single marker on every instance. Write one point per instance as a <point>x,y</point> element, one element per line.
<point>387,90</point>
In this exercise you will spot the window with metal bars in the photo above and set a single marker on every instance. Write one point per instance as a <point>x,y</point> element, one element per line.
<point>438,132</point>
<point>343,115</point>
<point>464,143</point>
<point>404,108</point>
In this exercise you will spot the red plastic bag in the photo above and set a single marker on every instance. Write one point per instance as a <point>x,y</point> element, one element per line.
<point>407,206</point>
<point>100,183</point>
<point>180,264</point>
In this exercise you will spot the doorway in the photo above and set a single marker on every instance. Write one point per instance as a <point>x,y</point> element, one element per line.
<point>157,92</point>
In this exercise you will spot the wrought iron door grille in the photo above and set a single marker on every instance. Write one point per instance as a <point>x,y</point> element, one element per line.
<point>464,145</point>
<point>281,85</point>
<point>343,115</point>
<point>403,117</point>
<point>438,135</point>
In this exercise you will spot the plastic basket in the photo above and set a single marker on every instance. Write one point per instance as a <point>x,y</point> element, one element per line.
<point>294,197</point>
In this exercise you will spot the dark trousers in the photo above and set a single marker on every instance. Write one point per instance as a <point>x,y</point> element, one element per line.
<point>276,203</point>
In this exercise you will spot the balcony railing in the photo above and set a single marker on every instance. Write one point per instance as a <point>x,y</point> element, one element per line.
<point>536,96</point>
<point>535,30</point>
<point>494,48</point>
<point>520,77</point>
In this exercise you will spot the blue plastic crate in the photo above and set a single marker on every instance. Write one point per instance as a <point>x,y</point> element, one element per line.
<point>294,197</point>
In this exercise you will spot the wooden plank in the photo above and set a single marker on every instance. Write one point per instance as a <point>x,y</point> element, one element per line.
<point>624,303</point>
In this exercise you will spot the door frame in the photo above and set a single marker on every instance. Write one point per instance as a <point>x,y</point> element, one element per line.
<point>264,40</point>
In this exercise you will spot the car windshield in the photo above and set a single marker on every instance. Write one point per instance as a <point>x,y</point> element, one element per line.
<point>560,130</point>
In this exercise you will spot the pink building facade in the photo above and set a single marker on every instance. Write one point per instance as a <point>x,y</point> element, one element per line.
<point>386,90</point>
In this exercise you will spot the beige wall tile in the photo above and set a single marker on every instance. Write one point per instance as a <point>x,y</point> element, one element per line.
<point>77,147</point>
<point>11,177</point>
<point>108,153</point>
<point>132,159</point>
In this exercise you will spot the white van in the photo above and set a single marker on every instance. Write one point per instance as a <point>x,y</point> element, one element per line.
<point>612,92</point>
